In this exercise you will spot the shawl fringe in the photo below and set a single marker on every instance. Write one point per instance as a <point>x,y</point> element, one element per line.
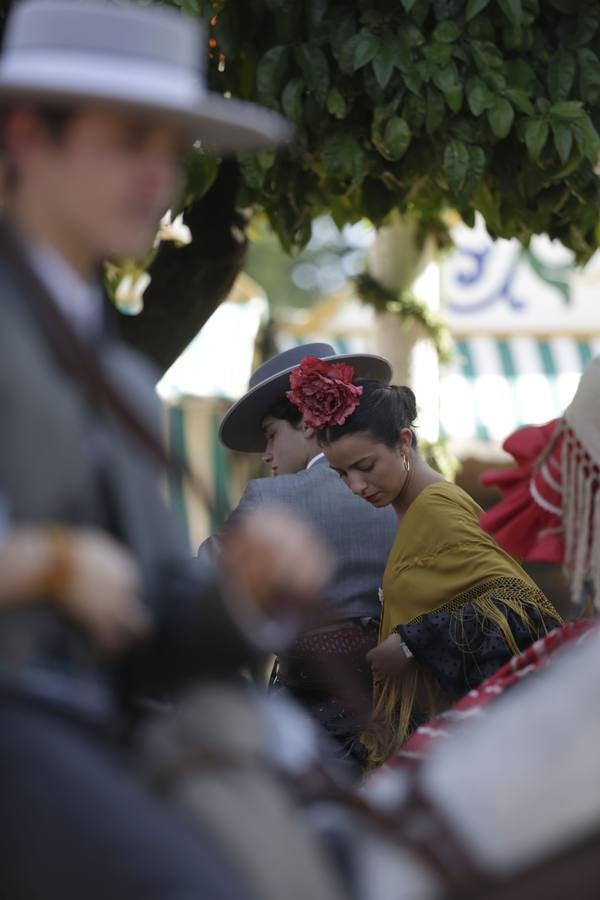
<point>397,702</point>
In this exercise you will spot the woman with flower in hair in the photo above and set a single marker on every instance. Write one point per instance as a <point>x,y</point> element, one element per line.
<point>455,605</point>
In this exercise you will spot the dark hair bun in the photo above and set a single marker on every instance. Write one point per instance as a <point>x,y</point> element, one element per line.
<point>407,403</point>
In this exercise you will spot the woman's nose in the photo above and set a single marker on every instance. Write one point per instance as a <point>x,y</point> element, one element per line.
<point>356,483</point>
<point>267,457</point>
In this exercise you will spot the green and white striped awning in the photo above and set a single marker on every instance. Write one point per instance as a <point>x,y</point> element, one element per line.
<point>495,385</point>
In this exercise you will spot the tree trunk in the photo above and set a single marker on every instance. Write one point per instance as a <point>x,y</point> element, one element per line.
<point>188,283</point>
<point>396,262</point>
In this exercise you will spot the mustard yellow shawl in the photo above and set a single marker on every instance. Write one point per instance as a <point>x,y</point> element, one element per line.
<point>441,559</point>
<point>441,552</point>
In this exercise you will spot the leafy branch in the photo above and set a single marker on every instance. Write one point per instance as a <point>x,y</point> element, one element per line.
<point>420,106</point>
<point>410,310</point>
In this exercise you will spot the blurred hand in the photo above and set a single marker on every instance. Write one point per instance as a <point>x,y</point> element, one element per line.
<point>389,657</point>
<point>102,591</point>
<point>276,561</point>
<point>98,587</point>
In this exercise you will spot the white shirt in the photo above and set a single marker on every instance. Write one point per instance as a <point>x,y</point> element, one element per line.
<point>79,301</point>
<point>315,459</point>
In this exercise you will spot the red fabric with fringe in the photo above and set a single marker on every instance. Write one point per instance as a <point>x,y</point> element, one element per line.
<point>527,521</point>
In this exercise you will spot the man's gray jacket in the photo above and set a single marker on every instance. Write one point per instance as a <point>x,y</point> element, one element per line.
<point>64,461</point>
<point>359,536</point>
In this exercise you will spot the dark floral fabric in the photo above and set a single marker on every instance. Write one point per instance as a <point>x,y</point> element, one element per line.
<point>461,650</point>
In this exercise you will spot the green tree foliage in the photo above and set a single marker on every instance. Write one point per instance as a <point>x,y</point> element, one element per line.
<point>420,105</point>
<point>415,105</point>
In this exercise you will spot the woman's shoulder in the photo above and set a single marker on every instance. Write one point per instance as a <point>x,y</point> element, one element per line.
<point>441,516</point>
<point>447,497</point>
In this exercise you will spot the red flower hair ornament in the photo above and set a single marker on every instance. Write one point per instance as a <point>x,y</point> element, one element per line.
<point>323,392</point>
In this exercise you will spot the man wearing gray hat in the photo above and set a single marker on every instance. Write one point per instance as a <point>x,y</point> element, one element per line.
<point>357,536</point>
<point>99,100</point>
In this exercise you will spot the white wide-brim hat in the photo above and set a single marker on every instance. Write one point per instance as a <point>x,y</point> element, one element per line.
<point>241,428</point>
<point>148,59</point>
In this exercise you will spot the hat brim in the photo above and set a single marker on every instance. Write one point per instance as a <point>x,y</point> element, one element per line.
<point>222,124</point>
<point>241,428</point>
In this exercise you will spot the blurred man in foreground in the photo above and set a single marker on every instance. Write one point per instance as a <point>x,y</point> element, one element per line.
<point>99,102</point>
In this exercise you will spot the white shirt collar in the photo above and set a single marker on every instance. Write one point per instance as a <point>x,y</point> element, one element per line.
<point>79,301</point>
<point>315,459</point>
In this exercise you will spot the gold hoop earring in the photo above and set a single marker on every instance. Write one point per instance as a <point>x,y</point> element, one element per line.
<point>407,476</point>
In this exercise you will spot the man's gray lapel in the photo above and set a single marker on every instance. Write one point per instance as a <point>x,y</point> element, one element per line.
<point>39,408</point>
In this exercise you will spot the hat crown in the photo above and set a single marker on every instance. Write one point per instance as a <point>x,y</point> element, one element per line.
<point>105,29</point>
<point>134,57</point>
<point>241,428</point>
<point>288,360</point>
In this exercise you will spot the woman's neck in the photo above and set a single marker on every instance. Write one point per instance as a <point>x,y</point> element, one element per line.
<point>422,476</point>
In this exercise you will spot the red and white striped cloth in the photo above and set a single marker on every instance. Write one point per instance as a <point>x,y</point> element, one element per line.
<point>473,705</point>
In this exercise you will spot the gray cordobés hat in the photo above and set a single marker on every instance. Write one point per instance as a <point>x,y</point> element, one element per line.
<point>241,429</point>
<point>144,58</point>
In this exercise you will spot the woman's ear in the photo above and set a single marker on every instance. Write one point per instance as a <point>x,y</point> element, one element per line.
<point>405,441</point>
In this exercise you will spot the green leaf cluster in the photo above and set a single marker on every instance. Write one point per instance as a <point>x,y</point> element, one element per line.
<point>420,106</point>
<point>410,310</point>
